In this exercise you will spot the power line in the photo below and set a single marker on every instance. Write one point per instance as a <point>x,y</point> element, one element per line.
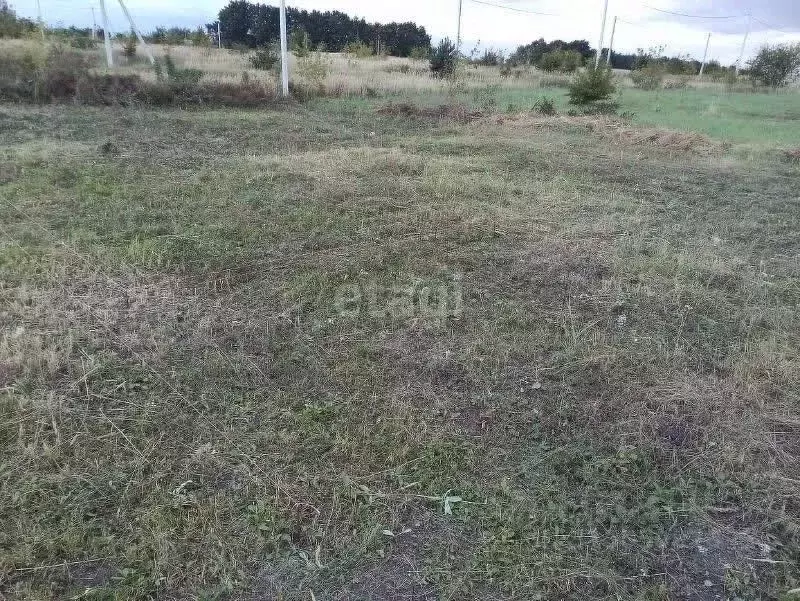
<point>514,8</point>
<point>775,28</point>
<point>676,14</point>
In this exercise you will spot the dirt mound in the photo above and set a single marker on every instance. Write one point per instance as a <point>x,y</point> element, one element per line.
<point>447,112</point>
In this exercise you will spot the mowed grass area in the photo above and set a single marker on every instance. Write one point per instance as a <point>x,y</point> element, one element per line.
<point>218,379</point>
<point>757,120</point>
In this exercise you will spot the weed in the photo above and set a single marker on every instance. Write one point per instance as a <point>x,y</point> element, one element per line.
<point>545,106</point>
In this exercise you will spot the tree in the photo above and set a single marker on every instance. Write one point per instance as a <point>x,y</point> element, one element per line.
<point>129,45</point>
<point>299,42</point>
<point>257,25</point>
<point>566,61</point>
<point>444,58</point>
<point>776,66</point>
<point>593,85</point>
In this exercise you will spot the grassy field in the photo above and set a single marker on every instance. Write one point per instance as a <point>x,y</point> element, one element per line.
<point>343,351</point>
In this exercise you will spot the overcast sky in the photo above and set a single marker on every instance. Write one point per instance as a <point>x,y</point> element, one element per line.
<point>640,25</point>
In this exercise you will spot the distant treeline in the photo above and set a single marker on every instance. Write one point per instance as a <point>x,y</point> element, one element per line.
<point>254,25</point>
<point>676,65</point>
<point>531,54</point>
<point>536,53</point>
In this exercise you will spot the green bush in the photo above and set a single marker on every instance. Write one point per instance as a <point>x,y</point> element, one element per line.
<point>299,42</point>
<point>592,85</point>
<point>545,106</point>
<point>265,58</point>
<point>167,70</point>
<point>649,77</point>
<point>444,58</point>
<point>83,43</point>
<point>359,49</point>
<point>314,69</point>
<point>491,58</point>
<point>775,66</point>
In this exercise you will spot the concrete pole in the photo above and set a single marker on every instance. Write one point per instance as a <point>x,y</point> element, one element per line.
<point>284,52</point>
<point>744,43</point>
<point>611,43</point>
<point>602,36</point>
<point>39,16</point>
<point>705,57</point>
<point>106,35</point>
<point>458,28</point>
<point>138,33</point>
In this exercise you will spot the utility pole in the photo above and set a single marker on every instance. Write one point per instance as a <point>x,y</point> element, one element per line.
<point>744,42</point>
<point>611,43</point>
<point>458,29</point>
<point>39,16</point>
<point>219,34</point>
<point>94,24</point>
<point>602,35</point>
<point>705,56</point>
<point>106,35</point>
<point>137,32</point>
<point>284,52</point>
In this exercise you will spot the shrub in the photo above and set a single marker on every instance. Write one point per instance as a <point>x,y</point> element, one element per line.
<point>359,49</point>
<point>199,37</point>
<point>314,69</point>
<point>490,58</point>
<point>649,77</point>
<point>265,58</point>
<point>299,42</point>
<point>775,66</point>
<point>129,46</point>
<point>83,43</point>
<point>444,58</point>
<point>166,69</point>
<point>593,85</point>
<point>545,106</point>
